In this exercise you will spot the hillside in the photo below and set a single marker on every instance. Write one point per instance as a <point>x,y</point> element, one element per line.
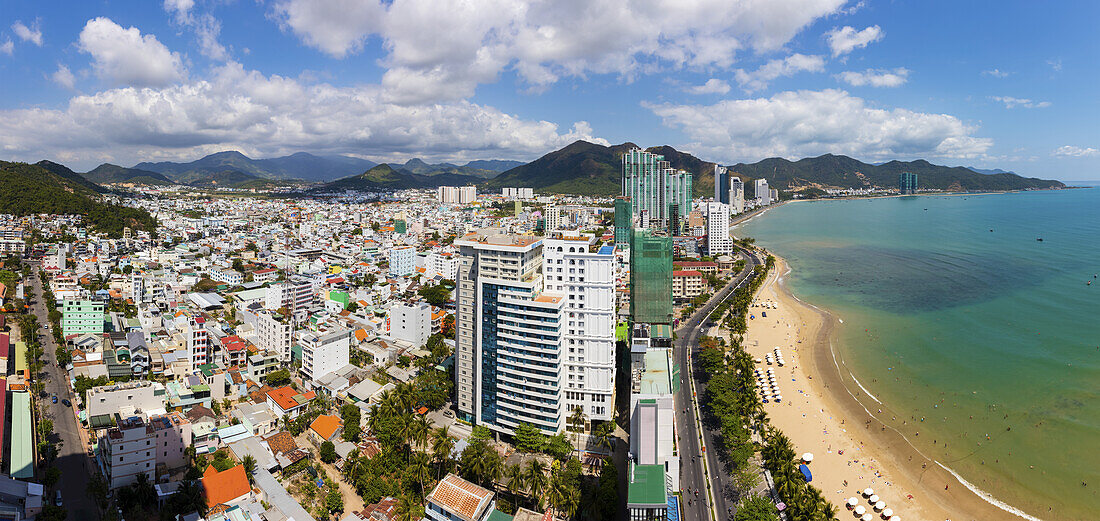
<point>110,174</point>
<point>844,172</point>
<point>579,168</point>
<point>64,173</point>
<point>296,166</point>
<point>385,177</point>
<point>496,165</point>
<point>419,167</point>
<point>27,189</point>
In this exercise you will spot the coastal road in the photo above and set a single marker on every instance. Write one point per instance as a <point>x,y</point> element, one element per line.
<point>72,457</point>
<point>711,482</point>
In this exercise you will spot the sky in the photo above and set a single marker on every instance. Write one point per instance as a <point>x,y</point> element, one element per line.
<point>1007,84</point>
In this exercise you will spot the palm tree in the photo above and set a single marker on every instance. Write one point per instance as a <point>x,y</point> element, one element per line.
<point>494,467</point>
<point>603,436</point>
<point>421,468</point>
<point>420,430</point>
<point>514,475</point>
<point>249,467</point>
<point>535,478</point>
<point>442,446</point>
<point>408,509</point>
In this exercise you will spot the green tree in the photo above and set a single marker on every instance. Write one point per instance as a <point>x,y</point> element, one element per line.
<point>334,502</point>
<point>328,452</point>
<point>278,378</point>
<point>249,467</point>
<point>529,438</point>
<point>435,295</point>
<point>350,415</point>
<point>756,508</point>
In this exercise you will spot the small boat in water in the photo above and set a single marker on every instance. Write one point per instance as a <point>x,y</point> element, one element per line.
<point>1040,239</point>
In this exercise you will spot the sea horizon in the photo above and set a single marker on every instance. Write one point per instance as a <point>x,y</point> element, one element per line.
<point>951,308</point>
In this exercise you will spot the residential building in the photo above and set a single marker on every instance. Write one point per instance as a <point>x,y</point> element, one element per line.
<point>173,436</point>
<point>411,323</point>
<point>762,192</point>
<point>402,261</point>
<point>588,339</point>
<point>274,334</point>
<point>127,451</point>
<point>455,499</point>
<point>456,194</point>
<point>507,335</point>
<point>82,316</point>
<point>285,401</point>
<point>657,192</point>
<point>718,230</point>
<point>445,264</point>
<point>197,342</point>
<point>324,352</point>
<point>687,284</point>
<point>721,185</point>
<point>518,193</point>
<point>737,195</point>
<point>553,219</point>
<point>265,275</point>
<point>229,487</point>
<point>624,223</point>
<point>138,397</point>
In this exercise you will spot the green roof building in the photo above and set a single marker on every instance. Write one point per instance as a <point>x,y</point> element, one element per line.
<point>645,497</point>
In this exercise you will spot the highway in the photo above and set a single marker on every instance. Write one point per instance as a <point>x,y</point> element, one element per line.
<point>711,482</point>
<point>76,467</point>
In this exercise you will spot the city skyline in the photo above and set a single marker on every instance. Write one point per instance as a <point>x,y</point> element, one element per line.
<point>729,82</point>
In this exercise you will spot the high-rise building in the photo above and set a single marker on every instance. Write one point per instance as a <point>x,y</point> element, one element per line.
<point>721,185</point>
<point>553,219</point>
<point>402,261</point>
<point>456,194</point>
<point>718,229</point>
<point>653,186</point>
<point>762,192</point>
<point>907,183</point>
<point>197,341</point>
<point>624,223</point>
<point>324,352</point>
<point>508,335</point>
<point>588,333</point>
<point>650,278</point>
<point>737,195</point>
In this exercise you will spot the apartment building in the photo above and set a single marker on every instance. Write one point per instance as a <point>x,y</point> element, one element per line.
<point>411,323</point>
<point>718,230</point>
<point>80,316</point>
<point>324,352</point>
<point>127,451</point>
<point>588,334</point>
<point>687,284</point>
<point>402,261</point>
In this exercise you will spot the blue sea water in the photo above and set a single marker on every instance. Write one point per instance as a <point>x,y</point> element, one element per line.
<point>973,332</point>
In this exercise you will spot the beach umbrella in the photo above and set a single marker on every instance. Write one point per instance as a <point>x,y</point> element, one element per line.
<point>852,502</point>
<point>873,499</point>
<point>880,505</point>
<point>895,518</point>
<point>868,491</point>
<point>887,513</point>
<point>808,457</point>
<point>867,517</point>
<point>860,510</point>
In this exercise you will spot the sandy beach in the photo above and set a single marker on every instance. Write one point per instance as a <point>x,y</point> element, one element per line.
<point>825,412</point>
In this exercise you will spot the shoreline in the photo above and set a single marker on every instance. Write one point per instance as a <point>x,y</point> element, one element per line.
<point>826,417</point>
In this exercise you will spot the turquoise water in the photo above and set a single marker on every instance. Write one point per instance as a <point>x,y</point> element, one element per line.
<point>971,331</point>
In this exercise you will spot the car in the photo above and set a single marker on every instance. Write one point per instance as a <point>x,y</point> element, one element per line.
<point>448,413</point>
<point>67,403</point>
<point>58,500</point>
<point>55,398</point>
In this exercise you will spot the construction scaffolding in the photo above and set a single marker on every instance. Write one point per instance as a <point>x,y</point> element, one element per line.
<point>650,278</point>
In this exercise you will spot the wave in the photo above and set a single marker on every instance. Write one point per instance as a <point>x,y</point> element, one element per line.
<point>869,395</point>
<point>989,497</point>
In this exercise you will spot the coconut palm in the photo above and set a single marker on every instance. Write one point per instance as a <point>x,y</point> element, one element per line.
<point>442,446</point>
<point>249,464</point>
<point>513,474</point>
<point>408,509</point>
<point>602,433</point>
<point>420,431</point>
<point>421,468</point>
<point>534,476</point>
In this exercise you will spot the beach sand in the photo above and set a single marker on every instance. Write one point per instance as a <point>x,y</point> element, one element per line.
<point>824,415</point>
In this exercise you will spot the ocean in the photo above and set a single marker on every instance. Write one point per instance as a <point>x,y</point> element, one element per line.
<point>976,335</point>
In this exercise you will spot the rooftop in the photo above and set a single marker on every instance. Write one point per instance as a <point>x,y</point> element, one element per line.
<point>648,486</point>
<point>460,497</point>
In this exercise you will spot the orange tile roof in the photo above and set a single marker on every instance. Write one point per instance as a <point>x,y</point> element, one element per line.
<point>287,398</point>
<point>360,334</point>
<point>325,425</point>
<point>223,487</point>
<point>281,443</point>
<point>460,497</point>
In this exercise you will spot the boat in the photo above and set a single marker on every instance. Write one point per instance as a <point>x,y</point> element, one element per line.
<point>1040,239</point>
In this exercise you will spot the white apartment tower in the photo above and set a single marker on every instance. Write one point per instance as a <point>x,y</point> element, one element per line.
<point>718,229</point>
<point>456,194</point>
<point>509,364</point>
<point>402,261</point>
<point>763,193</point>
<point>197,342</point>
<point>553,219</point>
<point>737,195</point>
<point>588,332</point>
<point>324,352</point>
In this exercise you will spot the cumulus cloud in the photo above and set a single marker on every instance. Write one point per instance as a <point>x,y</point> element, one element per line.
<point>242,109</point>
<point>1011,103</point>
<point>806,123</point>
<point>712,86</point>
<point>996,73</point>
<point>181,9</point>
<point>126,57</point>
<point>206,27</point>
<point>448,47</point>
<point>789,66</point>
<point>875,77</point>
<point>7,47</point>
<point>28,34</point>
<point>847,38</point>
<point>1073,151</point>
<point>63,76</point>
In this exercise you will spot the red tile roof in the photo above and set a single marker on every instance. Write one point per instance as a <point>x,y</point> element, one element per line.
<point>223,487</point>
<point>287,398</point>
<point>325,425</point>
<point>460,497</point>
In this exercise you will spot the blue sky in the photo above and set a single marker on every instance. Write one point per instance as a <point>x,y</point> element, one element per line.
<point>1002,84</point>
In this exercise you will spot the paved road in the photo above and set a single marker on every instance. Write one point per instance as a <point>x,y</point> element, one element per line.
<point>72,457</point>
<point>710,484</point>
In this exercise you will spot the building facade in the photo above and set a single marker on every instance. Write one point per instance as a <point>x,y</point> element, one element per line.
<point>456,194</point>
<point>402,261</point>
<point>718,230</point>
<point>655,190</point>
<point>127,451</point>
<point>907,183</point>
<point>762,192</point>
<point>651,278</point>
<point>82,316</point>
<point>324,352</point>
<point>737,195</point>
<point>411,323</point>
<point>588,339</point>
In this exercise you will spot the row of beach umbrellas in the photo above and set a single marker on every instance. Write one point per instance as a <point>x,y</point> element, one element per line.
<point>877,505</point>
<point>769,388</point>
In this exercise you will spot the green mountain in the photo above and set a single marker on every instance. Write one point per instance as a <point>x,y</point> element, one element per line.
<point>496,165</point>
<point>111,174</point>
<point>295,166</point>
<point>47,187</point>
<point>419,167</point>
<point>844,172</point>
<point>579,168</point>
<point>385,177</point>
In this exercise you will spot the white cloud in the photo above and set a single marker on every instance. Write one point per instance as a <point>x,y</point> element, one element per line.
<point>28,34</point>
<point>1073,151</point>
<point>806,123</point>
<point>64,77</point>
<point>206,27</point>
<point>181,9</point>
<point>996,73</point>
<point>1055,64</point>
<point>789,66</point>
<point>443,49</point>
<point>848,39</point>
<point>1011,103</point>
<point>7,47</point>
<point>126,57</point>
<point>712,86</point>
<point>271,115</point>
<point>875,77</point>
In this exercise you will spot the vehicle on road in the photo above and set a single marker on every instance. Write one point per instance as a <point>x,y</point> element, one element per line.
<point>55,398</point>
<point>67,403</point>
<point>58,500</point>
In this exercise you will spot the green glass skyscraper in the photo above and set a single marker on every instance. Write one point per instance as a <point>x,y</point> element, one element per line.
<point>623,222</point>
<point>907,183</point>
<point>654,187</point>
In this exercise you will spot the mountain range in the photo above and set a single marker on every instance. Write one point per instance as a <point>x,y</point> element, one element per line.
<point>386,177</point>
